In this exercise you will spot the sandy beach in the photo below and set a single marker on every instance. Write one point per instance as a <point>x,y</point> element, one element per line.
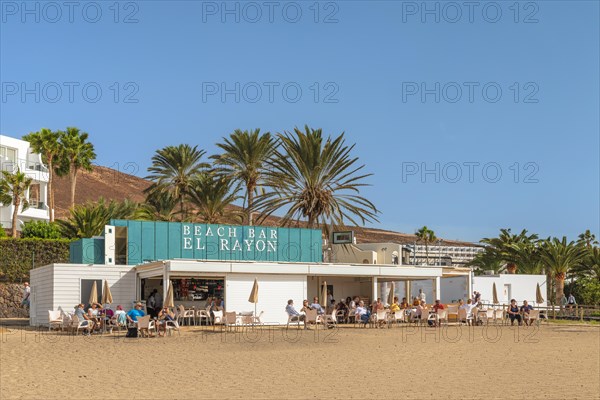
<point>549,362</point>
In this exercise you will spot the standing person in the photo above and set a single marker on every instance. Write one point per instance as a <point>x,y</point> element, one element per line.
<point>329,297</point>
<point>158,298</point>
<point>422,296</point>
<point>571,302</point>
<point>151,304</point>
<point>26,294</point>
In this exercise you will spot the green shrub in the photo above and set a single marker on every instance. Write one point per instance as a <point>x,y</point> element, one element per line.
<point>18,256</point>
<point>41,230</point>
<point>2,232</point>
<point>587,291</point>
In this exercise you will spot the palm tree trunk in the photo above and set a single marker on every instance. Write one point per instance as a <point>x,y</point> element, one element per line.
<point>250,203</point>
<point>560,288</point>
<point>16,203</point>
<point>50,190</point>
<point>73,173</point>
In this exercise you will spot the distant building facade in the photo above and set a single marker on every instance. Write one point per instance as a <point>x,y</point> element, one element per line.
<point>16,154</point>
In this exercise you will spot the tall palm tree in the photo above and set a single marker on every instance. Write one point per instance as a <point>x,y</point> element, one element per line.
<point>560,257</point>
<point>486,261</point>
<point>46,143</point>
<point>87,220</point>
<point>212,197</point>
<point>316,178</point>
<point>76,154</point>
<point>506,246</point>
<point>159,206</point>
<point>590,264</point>
<point>173,169</point>
<point>587,238</point>
<point>15,185</point>
<point>243,161</point>
<point>426,236</point>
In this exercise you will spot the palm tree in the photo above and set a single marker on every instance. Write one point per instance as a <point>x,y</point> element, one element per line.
<point>76,154</point>
<point>212,197</point>
<point>590,264</point>
<point>87,220</point>
<point>317,179</point>
<point>14,188</point>
<point>486,261</point>
<point>159,206</point>
<point>243,161</point>
<point>587,238</point>
<point>45,142</point>
<point>560,257</point>
<point>426,236</point>
<point>507,247</point>
<point>173,169</point>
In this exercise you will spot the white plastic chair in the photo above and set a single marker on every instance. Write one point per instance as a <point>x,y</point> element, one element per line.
<point>84,325</point>
<point>218,318</point>
<point>442,315</point>
<point>381,318</point>
<point>146,324</point>
<point>293,319</point>
<point>203,315</point>
<point>184,314</point>
<point>55,320</point>
<point>257,319</point>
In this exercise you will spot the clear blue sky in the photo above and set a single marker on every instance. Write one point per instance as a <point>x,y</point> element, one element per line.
<point>371,57</point>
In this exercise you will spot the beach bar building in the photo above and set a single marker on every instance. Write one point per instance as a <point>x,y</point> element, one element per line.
<point>205,260</point>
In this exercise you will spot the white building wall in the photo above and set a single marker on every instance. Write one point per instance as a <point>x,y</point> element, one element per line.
<point>66,281</point>
<point>509,286</point>
<point>31,164</point>
<point>41,298</point>
<point>273,293</point>
<point>454,288</point>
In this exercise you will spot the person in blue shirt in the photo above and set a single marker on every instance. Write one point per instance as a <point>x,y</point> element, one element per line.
<point>525,308</point>
<point>316,306</point>
<point>136,312</point>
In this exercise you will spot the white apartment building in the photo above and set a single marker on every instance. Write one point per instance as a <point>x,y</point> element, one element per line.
<point>15,154</point>
<point>444,254</point>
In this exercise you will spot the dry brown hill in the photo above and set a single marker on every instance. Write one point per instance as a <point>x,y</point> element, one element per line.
<point>111,184</point>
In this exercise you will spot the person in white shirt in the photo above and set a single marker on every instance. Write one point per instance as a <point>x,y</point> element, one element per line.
<point>26,294</point>
<point>422,296</point>
<point>469,309</point>
<point>361,312</point>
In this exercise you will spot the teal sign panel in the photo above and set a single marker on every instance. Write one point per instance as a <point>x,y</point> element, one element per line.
<point>87,251</point>
<point>154,241</point>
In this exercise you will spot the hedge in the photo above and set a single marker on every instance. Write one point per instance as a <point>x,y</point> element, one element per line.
<point>17,256</point>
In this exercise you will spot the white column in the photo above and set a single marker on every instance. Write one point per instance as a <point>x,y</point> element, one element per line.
<point>437,288</point>
<point>407,291</point>
<point>166,282</point>
<point>374,294</point>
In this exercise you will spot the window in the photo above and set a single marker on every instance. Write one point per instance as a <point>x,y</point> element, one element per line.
<point>8,155</point>
<point>86,289</point>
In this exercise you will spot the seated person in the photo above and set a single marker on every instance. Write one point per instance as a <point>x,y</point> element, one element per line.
<point>82,316</point>
<point>165,315</point>
<point>525,308</point>
<point>395,306</point>
<point>295,316</point>
<point>416,302</point>
<point>120,317</point>
<point>134,313</point>
<point>362,314</point>
<point>377,306</point>
<point>421,308</point>
<point>341,306</point>
<point>404,304</point>
<point>437,306</point>
<point>94,313</point>
<point>316,306</point>
<point>513,312</point>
